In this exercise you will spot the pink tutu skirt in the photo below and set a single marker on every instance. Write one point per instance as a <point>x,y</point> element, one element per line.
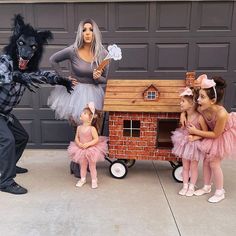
<point>94,153</point>
<point>183,148</point>
<point>223,147</point>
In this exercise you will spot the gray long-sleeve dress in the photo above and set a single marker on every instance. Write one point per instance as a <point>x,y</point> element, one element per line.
<point>88,90</point>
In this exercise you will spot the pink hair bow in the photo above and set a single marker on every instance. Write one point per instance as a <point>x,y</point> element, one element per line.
<point>186,92</point>
<point>207,83</point>
<point>91,107</point>
<point>199,79</point>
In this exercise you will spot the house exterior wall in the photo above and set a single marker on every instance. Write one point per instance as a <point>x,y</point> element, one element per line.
<point>139,148</point>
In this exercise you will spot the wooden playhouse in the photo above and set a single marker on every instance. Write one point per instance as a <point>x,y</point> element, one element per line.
<point>142,114</point>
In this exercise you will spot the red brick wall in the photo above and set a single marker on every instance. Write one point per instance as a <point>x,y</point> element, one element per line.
<point>140,148</point>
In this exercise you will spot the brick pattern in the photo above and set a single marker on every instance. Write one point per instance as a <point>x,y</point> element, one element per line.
<point>139,148</point>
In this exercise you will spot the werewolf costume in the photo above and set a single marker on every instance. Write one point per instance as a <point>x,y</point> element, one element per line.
<point>19,69</point>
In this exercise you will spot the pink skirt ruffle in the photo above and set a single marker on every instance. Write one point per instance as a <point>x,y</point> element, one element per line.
<point>223,147</point>
<point>183,148</point>
<point>94,153</point>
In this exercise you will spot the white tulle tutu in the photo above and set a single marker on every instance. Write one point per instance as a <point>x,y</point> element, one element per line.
<point>68,106</point>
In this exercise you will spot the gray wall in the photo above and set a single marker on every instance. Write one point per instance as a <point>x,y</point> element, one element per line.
<point>158,39</point>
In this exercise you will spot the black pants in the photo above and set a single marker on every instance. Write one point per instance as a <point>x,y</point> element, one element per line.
<point>13,139</point>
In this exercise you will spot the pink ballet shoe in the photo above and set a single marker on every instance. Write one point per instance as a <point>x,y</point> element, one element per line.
<point>80,183</point>
<point>183,191</point>
<point>202,191</point>
<point>217,197</point>
<point>94,183</point>
<point>190,192</point>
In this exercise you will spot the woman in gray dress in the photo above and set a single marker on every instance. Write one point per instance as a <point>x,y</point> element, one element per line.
<point>84,55</point>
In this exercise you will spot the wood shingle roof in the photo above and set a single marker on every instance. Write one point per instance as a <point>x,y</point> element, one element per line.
<point>127,95</point>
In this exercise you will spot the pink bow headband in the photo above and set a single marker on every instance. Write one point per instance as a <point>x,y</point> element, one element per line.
<point>186,92</point>
<point>207,83</point>
<point>91,108</point>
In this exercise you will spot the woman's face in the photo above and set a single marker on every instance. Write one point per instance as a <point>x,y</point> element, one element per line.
<point>88,33</point>
<point>204,101</point>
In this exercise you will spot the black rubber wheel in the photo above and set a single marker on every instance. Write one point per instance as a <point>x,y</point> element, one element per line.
<point>128,162</point>
<point>118,169</point>
<point>177,173</point>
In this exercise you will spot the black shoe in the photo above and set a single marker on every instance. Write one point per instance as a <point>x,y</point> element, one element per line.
<point>20,170</point>
<point>14,188</point>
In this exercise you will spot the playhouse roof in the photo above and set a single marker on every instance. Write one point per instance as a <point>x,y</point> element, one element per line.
<point>127,95</point>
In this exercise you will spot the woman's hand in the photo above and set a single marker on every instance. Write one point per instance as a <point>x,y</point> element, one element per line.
<point>73,80</point>
<point>97,74</point>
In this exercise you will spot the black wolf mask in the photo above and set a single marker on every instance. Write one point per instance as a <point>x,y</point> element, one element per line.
<point>26,45</point>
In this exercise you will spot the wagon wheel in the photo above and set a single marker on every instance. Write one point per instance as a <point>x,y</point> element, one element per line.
<point>128,162</point>
<point>118,169</point>
<point>175,163</point>
<point>177,173</point>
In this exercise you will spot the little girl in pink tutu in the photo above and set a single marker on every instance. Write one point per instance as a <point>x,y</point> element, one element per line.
<point>88,147</point>
<point>219,142</point>
<point>186,146</point>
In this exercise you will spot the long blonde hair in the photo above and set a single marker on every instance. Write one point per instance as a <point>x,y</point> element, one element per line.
<point>96,45</point>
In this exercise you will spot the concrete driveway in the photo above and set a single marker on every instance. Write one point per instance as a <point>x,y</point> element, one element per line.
<point>145,203</point>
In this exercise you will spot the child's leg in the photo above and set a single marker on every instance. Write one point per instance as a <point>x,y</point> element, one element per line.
<point>194,172</point>
<point>83,168</point>
<point>186,168</point>
<point>83,172</point>
<point>217,173</point>
<point>207,174</point>
<point>218,180</point>
<point>93,172</point>
<point>193,179</point>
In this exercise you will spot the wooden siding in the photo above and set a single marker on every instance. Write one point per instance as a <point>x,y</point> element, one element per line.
<point>127,96</point>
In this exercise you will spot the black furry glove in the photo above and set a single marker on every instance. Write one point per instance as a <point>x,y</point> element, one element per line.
<point>29,80</point>
<point>65,82</point>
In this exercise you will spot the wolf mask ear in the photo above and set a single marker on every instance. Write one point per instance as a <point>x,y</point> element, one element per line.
<point>18,24</point>
<point>45,36</point>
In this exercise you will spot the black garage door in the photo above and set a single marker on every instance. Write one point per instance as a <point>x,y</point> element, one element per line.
<point>159,39</point>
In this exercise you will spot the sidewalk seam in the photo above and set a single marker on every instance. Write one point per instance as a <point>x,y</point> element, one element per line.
<point>172,213</point>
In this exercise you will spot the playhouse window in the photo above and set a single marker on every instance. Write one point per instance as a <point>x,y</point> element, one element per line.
<point>131,128</point>
<point>151,95</point>
<point>165,127</point>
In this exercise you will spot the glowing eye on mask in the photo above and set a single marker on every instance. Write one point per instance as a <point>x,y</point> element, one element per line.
<point>20,43</point>
<point>33,47</point>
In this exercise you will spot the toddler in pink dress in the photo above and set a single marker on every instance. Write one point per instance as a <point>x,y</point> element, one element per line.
<point>88,147</point>
<point>186,146</point>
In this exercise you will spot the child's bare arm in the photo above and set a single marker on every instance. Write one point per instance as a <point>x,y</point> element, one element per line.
<point>77,141</point>
<point>204,127</point>
<point>183,119</point>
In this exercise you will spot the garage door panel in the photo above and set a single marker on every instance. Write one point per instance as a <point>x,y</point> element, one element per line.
<point>171,57</point>
<point>212,56</point>
<point>132,17</point>
<point>215,15</point>
<point>96,11</point>
<point>56,132</point>
<point>173,16</point>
